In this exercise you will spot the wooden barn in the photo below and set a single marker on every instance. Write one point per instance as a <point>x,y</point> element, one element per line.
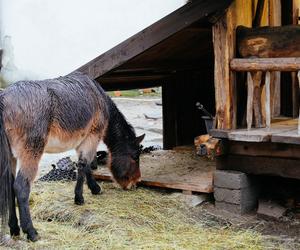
<point>240,60</point>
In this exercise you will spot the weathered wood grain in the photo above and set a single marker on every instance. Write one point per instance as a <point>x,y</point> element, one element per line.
<point>283,167</point>
<point>266,149</point>
<point>250,92</point>
<point>265,42</point>
<point>265,64</point>
<point>224,51</point>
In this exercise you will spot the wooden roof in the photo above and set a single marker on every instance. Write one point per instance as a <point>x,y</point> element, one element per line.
<point>181,40</point>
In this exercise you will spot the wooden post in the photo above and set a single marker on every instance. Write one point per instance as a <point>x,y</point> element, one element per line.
<point>268,100</point>
<point>224,50</point>
<point>257,92</point>
<point>275,20</point>
<point>249,100</point>
<point>298,75</point>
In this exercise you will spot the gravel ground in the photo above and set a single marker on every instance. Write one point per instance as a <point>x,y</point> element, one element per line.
<point>135,110</point>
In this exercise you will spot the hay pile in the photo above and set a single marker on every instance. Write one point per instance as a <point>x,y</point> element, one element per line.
<point>117,219</point>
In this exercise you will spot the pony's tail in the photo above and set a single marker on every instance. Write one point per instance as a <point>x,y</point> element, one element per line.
<point>5,171</point>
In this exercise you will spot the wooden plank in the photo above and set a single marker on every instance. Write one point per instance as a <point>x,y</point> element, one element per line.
<point>257,134</point>
<point>291,136</point>
<point>152,35</point>
<point>160,169</point>
<point>219,133</point>
<point>253,135</point>
<point>289,168</point>
<point>265,64</point>
<point>266,149</point>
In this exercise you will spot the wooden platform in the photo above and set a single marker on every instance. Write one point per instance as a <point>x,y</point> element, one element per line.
<point>281,131</point>
<point>174,169</point>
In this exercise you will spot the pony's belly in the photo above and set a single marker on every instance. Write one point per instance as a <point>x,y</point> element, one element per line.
<point>55,145</point>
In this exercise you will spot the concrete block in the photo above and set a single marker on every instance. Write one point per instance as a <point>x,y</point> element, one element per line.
<point>237,196</point>
<point>231,179</point>
<point>235,208</point>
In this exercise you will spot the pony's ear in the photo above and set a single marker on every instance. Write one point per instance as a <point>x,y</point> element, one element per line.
<point>139,139</point>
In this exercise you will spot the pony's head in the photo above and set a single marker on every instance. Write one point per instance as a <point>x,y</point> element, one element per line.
<point>125,166</point>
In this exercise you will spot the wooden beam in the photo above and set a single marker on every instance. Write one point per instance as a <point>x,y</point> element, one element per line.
<point>224,49</point>
<point>283,167</point>
<point>275,20</point>
<point>265,64</point>
<point>257,96</point>
<point>109,86</point>
<point>169,114</point>
<point>268,100</point>
<point>130,78</point>
<point>298,76</point>
<point>266,149</point>
<point>152,35</point>
<point>264,42</point>
<point>250,88</point>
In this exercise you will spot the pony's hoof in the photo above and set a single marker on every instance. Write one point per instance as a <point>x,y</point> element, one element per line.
<point>96,189</point>
<point>32,235</point>
<point>79,200</point>
<point>15,231</point>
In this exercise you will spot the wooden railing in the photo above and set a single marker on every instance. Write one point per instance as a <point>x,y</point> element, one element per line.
<point>254,67</point>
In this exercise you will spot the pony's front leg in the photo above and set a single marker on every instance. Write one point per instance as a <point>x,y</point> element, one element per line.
<point>86,153</point>
<point>84,169</point>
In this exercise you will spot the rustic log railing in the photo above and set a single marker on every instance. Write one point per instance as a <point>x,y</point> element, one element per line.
<point>253,67</point>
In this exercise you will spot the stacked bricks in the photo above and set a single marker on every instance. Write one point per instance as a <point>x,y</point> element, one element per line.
<point>235,191</point>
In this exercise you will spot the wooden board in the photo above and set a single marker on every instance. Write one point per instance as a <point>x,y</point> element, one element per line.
<point>181,169</point>
<point>291,136</point>
<point>279,132</point>
<point>265,149</point>
<point>289,168</point>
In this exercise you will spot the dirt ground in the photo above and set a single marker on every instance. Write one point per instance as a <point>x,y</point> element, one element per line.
<point>218,225</point>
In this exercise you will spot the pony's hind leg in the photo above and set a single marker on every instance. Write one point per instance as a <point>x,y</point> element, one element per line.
<point>28,169</point>
<point>86,153</point>
<point>13,220</point>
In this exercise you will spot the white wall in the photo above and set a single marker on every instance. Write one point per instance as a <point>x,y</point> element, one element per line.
<point>54,37</point>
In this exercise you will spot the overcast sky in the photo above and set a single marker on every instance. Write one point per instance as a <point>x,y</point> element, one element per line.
<point>54,37</point>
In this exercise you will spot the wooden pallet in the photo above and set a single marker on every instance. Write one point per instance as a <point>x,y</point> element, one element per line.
<point>182,170</point>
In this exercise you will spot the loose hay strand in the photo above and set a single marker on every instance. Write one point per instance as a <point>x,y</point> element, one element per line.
<point>117,219</point>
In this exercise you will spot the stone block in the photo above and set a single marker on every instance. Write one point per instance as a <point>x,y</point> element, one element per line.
<point>232,179</point>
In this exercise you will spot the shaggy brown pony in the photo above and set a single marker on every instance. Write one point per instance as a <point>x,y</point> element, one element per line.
<point>70,112</point>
